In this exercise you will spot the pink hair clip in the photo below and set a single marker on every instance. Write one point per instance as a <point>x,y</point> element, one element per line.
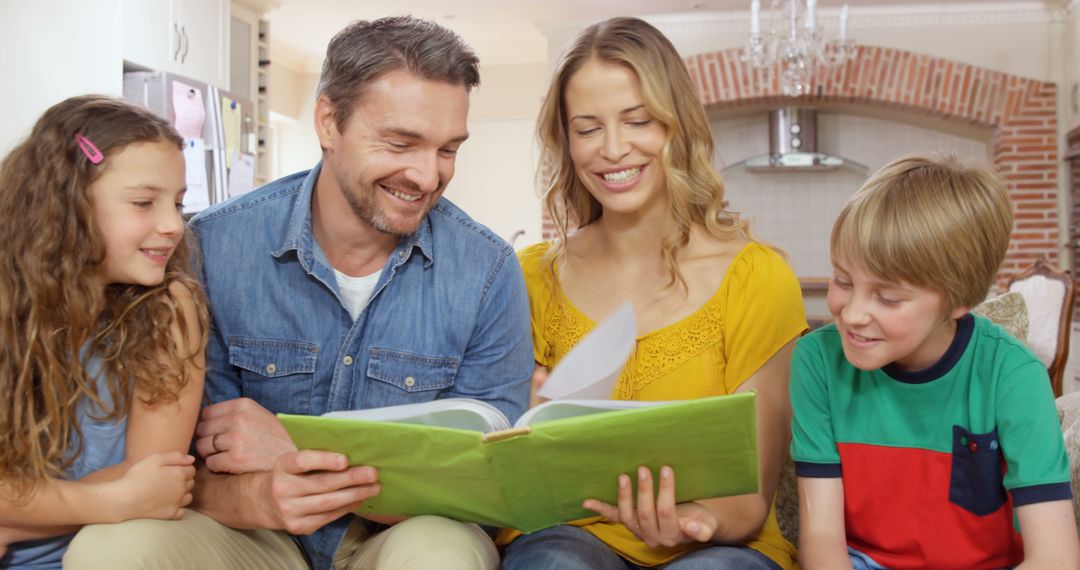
<point>89,149</point>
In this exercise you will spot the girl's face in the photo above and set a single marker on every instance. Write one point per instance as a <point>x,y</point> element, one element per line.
<point>137,202</point>
<point>615,142</point>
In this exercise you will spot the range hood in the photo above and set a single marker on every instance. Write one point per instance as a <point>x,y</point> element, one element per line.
<point>793,144</point>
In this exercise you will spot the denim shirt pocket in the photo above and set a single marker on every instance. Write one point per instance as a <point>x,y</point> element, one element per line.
<point>279,374</point>
<point>977,480</point>
<point>407,378</point>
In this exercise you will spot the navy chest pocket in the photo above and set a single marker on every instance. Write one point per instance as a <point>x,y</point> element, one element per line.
<point>977,480</point>
<point>279,374</point>
<point>397,377</point>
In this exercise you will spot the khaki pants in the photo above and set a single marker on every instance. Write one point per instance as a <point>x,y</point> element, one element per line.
<point>199,542</point>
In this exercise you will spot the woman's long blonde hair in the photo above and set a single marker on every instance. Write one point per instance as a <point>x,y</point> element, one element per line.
<point>53,313</point>
<point>693,185</point>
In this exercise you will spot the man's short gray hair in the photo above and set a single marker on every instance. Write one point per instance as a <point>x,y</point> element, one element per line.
<point>364,50</point>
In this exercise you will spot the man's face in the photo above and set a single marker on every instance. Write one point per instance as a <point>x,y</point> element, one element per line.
<point>395,154</point>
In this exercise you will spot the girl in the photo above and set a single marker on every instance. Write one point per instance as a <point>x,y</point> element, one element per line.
<point>629,151</point>
<point>102,328</point>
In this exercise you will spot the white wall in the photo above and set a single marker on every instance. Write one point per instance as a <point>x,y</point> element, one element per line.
<point>495,180</point>
<point>54,49</point>
<point>296,147</point>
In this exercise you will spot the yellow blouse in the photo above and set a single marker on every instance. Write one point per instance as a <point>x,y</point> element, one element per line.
<point>757,310</point>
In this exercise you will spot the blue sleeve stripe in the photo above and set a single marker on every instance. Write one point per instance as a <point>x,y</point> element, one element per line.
<point>805,469</point>
<point>1041,494</point>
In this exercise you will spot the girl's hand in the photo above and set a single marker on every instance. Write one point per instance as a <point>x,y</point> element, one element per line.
<point>657,521</point>
<point>157,487</point>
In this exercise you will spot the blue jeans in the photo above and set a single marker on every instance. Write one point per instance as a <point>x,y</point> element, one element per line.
<point>571,548</point>
<point>860,561</point>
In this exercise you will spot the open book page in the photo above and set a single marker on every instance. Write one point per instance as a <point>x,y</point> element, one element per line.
<point>590,370</point>
<point>459,413</point>
<point>560,409</point>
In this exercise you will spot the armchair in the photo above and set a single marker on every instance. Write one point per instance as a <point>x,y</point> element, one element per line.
<point>1048,294</point>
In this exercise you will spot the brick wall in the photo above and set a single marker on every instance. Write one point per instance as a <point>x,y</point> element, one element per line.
<point>1020,111</point>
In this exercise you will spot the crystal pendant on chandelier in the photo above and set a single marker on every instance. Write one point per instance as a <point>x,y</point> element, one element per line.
<point>794,43</point>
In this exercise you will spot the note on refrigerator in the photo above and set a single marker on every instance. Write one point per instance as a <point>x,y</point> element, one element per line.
<point>198,189</point>
<point>242,173</point>
<point>231,121</point>
<point>189,110</point>
<point>590,371</point>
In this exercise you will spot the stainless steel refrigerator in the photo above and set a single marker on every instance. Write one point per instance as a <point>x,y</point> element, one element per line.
<point>227,132</point>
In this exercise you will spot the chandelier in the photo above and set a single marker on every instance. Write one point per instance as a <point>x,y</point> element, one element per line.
<point>794,43</point>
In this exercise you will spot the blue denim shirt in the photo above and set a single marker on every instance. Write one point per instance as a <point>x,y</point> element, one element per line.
<point>449,317</point>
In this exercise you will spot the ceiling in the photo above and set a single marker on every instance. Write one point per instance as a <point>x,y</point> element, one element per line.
<point>502,31</point>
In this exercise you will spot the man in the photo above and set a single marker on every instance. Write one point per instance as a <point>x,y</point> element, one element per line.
<point>350,286</point>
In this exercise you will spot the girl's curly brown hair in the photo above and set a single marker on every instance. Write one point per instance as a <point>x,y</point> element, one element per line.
<point>54,315</point>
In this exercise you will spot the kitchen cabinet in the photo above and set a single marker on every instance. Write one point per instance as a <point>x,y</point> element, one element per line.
<point>185,37</point>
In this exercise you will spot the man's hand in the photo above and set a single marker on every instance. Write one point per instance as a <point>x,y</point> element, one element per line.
<point>240,436</point>
<point>309,489</point>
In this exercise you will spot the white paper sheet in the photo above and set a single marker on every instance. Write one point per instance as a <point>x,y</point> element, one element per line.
<point>189,110</point>
<point>591,369</point>
<point>242,173</point>
<point>198,189</point>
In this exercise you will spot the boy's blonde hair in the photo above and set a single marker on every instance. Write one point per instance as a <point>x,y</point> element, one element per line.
<point>931,222</point>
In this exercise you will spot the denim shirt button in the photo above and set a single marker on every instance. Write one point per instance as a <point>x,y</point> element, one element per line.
<point>410,381</point>
<point>401,253</point>
<point>271,368</point>
<point>347,361</point>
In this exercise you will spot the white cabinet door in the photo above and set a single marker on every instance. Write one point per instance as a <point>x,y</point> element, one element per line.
<point>204,34</point>
<point>186,37</point>
<point>148,38</point>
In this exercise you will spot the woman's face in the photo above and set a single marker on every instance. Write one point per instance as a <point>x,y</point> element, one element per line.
<point>615,143</point>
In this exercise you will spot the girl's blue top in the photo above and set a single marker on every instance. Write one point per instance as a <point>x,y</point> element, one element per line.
<point>103,445</point>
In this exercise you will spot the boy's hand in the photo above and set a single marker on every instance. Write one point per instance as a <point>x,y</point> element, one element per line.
<point>657,521</point>
<point>157,487</point>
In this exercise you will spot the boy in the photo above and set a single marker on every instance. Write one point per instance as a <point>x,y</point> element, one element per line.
<point>920,429</point>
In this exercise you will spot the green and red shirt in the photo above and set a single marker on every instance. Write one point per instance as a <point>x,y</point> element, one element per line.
<point>933,462</point>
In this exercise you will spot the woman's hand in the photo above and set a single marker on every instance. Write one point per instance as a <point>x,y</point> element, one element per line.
<point>157,487</point>
<point>657,521</point>
<point>539,376</point>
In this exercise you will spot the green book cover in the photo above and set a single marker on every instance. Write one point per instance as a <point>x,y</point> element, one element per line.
<point>536,476</point>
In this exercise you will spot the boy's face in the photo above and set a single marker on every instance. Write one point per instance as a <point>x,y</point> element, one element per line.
<point>881,322</point>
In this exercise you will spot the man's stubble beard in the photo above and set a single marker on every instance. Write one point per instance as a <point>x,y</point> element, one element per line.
<point>364,205</point>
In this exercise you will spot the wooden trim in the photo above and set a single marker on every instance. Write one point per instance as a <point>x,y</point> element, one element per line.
<point>1056,370</point>
<point>814,284</point>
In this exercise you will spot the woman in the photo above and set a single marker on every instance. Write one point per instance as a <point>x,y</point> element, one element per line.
<point>629,151</point>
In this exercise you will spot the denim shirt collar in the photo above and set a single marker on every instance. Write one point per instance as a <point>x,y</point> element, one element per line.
<point>300,238</point>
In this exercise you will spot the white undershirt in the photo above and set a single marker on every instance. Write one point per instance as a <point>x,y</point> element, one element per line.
<point>356,291</point>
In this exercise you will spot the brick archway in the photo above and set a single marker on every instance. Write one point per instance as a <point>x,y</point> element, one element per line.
<point>1020,111</point>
